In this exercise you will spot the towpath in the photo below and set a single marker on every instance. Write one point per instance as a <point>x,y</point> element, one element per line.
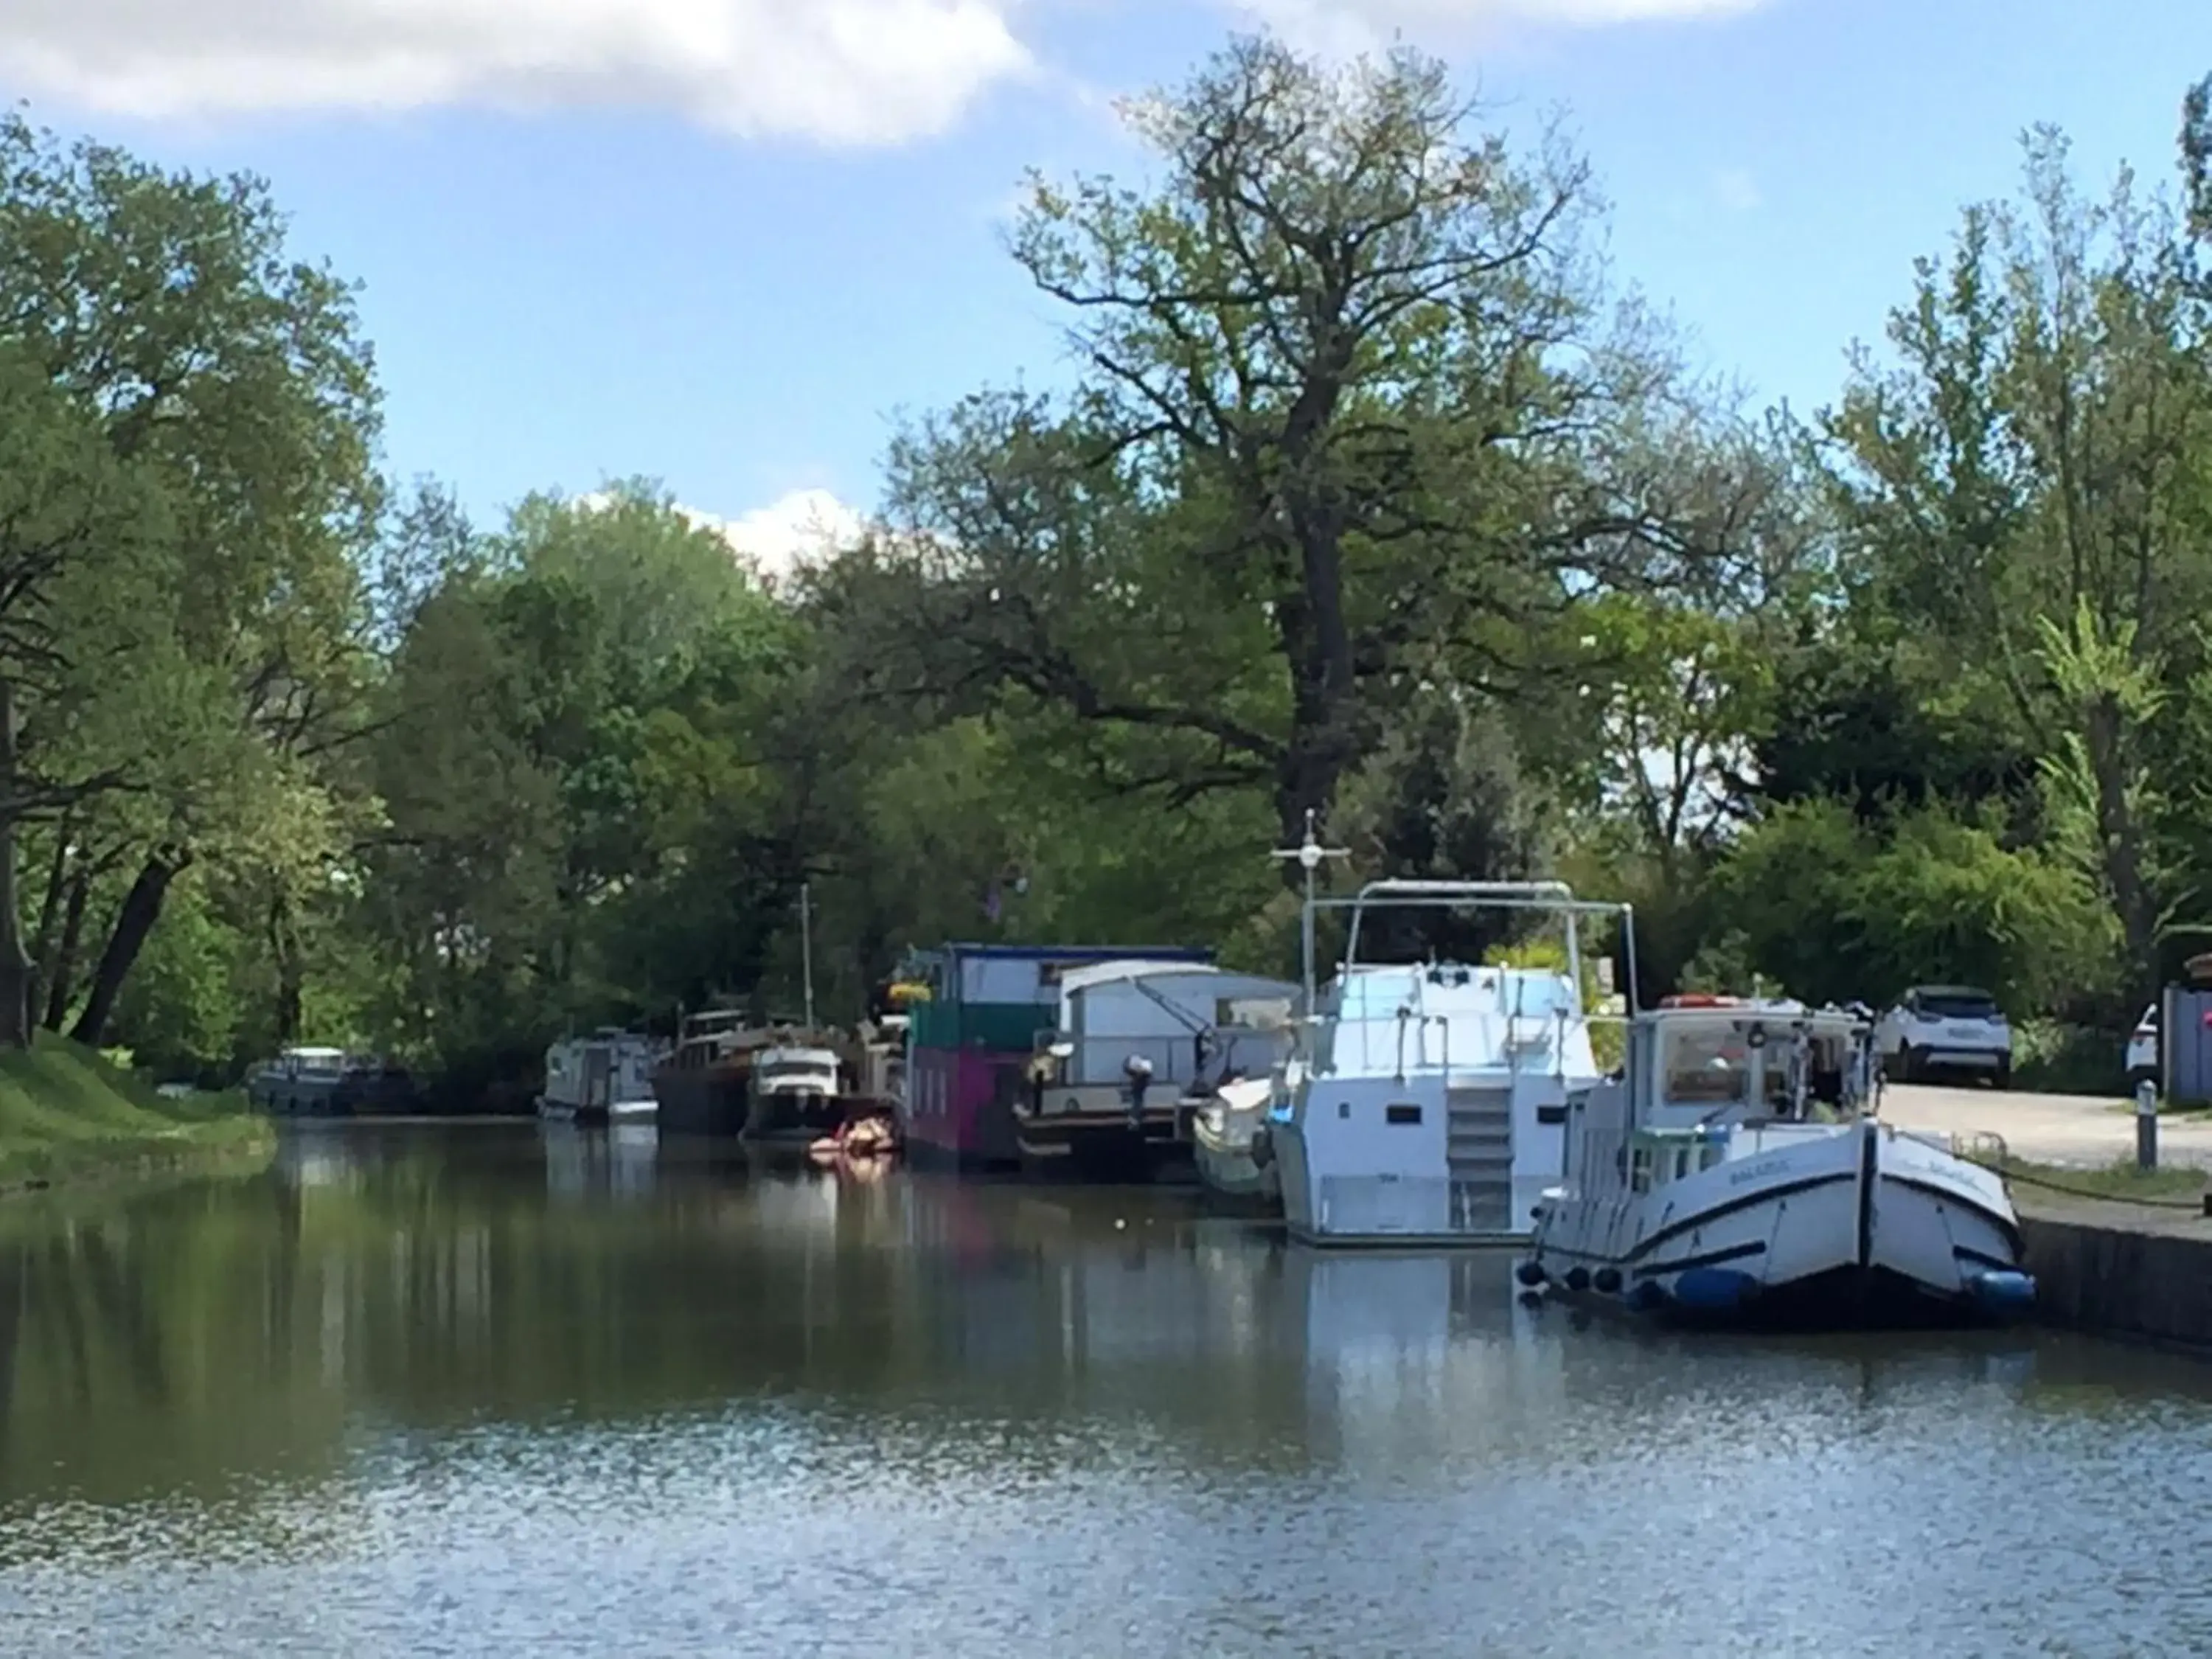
<point>2070,1129</point>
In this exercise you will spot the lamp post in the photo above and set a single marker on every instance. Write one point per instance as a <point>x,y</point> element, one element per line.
<point>1309,852</point>
<point>806,946</point>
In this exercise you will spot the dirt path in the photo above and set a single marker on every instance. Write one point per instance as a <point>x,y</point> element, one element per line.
<point>2070,1129</point>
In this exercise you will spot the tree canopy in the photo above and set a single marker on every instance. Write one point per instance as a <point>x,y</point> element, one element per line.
<point>1369,495</point>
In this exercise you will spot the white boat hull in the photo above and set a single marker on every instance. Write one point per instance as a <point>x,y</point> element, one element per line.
<point>1859,1226</point>
<point>1227,1166</point>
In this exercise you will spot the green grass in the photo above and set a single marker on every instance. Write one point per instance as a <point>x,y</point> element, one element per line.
<point>2121,1181</point>
<point>67,1113</point>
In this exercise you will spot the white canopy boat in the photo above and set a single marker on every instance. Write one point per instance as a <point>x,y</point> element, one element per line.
<point>1734,1172</point>
<point>1428,1102</point>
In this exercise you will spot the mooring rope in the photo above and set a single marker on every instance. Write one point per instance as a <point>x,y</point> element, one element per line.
<point>1987,1148</point>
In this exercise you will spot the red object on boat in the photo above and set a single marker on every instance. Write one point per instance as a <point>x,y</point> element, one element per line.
<point>1699,1000</point>
<point>871,1135</point>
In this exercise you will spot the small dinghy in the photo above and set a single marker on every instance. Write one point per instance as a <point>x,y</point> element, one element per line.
<point>1734,1172</point>
<point>1229,1138</point>
<point>870,1136</point>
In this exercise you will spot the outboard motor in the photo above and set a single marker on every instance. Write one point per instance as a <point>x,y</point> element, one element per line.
<point>1139,1071</point>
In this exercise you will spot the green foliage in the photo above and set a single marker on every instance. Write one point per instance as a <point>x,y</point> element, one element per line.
<point>1830,908</point>
<point>180,1005</point>
<point>2053,1057</point>
<point>1369,500</point>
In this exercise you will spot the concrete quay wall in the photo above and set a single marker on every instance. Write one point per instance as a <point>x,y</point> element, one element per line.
<point>2109,1278</point>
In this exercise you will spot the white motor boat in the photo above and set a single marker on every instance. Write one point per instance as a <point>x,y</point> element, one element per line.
<point>1230,1142</point>
<point>1735,1172</point>
<point>1431,1099</point>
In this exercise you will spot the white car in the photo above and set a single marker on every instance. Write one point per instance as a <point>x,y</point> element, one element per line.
<point>2141,1057</point>
<point>1945,1028</point>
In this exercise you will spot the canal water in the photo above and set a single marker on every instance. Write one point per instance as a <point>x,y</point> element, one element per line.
<point>491,1390</point>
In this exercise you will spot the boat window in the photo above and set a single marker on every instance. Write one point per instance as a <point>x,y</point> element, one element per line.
<point>1707,1068</point>
<point>1401,1113</point>
<point>1779,1100</point>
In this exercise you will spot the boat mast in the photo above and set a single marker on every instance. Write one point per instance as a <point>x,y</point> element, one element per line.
<point>806,946</point>
<point>1309,852</point>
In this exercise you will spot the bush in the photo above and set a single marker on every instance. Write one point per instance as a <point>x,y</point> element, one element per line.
<point>2051,1058</point>
<point>1837,910</point>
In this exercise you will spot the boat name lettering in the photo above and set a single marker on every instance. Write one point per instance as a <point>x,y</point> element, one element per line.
<point>1759,1172</point>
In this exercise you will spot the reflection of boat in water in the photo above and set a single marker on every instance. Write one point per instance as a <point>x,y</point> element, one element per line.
<point>315,1157</point>
<point>622,1161</point>
<point>1734,1173</point>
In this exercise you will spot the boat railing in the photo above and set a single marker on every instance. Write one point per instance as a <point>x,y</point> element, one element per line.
<point>1534,1042</point>
<point>1172,1061</point>
<point>1550,898</point>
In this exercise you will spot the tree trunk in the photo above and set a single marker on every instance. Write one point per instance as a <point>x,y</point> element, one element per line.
<point>59,973</point>
<point>141,909</point>
<point>14,961</point>
<point>284,949</point>
<point>49,915</point>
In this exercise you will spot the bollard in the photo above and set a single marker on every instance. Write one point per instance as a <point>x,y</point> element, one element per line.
<point>2146,1124</point>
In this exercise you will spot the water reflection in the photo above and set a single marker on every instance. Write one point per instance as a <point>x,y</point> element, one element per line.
<point>492,1389</point>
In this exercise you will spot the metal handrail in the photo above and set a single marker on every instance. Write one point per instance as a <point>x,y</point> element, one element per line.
<point>1554,896</point>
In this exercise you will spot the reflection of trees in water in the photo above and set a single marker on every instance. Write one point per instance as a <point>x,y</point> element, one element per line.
<point>142,1347</point>
<point>194,1334</point>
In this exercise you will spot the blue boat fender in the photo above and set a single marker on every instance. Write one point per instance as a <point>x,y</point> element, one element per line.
<point>1714,1290</point>
<point>2004,1292</point>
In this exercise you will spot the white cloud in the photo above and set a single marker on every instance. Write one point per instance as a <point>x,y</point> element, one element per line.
<point>799,528</point>
<point>835,71</point>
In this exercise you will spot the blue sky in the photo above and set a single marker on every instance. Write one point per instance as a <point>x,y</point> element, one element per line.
<point>724,242</point>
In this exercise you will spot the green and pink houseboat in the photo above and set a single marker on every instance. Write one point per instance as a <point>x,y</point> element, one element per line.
<point>976,1011</point>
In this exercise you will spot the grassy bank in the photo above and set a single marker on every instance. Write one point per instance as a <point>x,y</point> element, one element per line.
<point>67,1114</point>
<point>2179,1189</point>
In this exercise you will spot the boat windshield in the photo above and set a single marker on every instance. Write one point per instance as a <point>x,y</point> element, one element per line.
<point>797,1074</point>
<point>1708,1068</point>
<point>1781,1094</point>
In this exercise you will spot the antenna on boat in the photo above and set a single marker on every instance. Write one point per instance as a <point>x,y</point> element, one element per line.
<point>1309,854</point>
<point>807,946</point>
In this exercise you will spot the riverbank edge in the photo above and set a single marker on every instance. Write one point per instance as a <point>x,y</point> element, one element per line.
<point>69,1119</point>
<point>2106,1273</point>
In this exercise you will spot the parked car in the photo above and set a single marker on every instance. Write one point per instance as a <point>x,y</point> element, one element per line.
<point>1945,1028</point>
<point>2142,1057</point>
